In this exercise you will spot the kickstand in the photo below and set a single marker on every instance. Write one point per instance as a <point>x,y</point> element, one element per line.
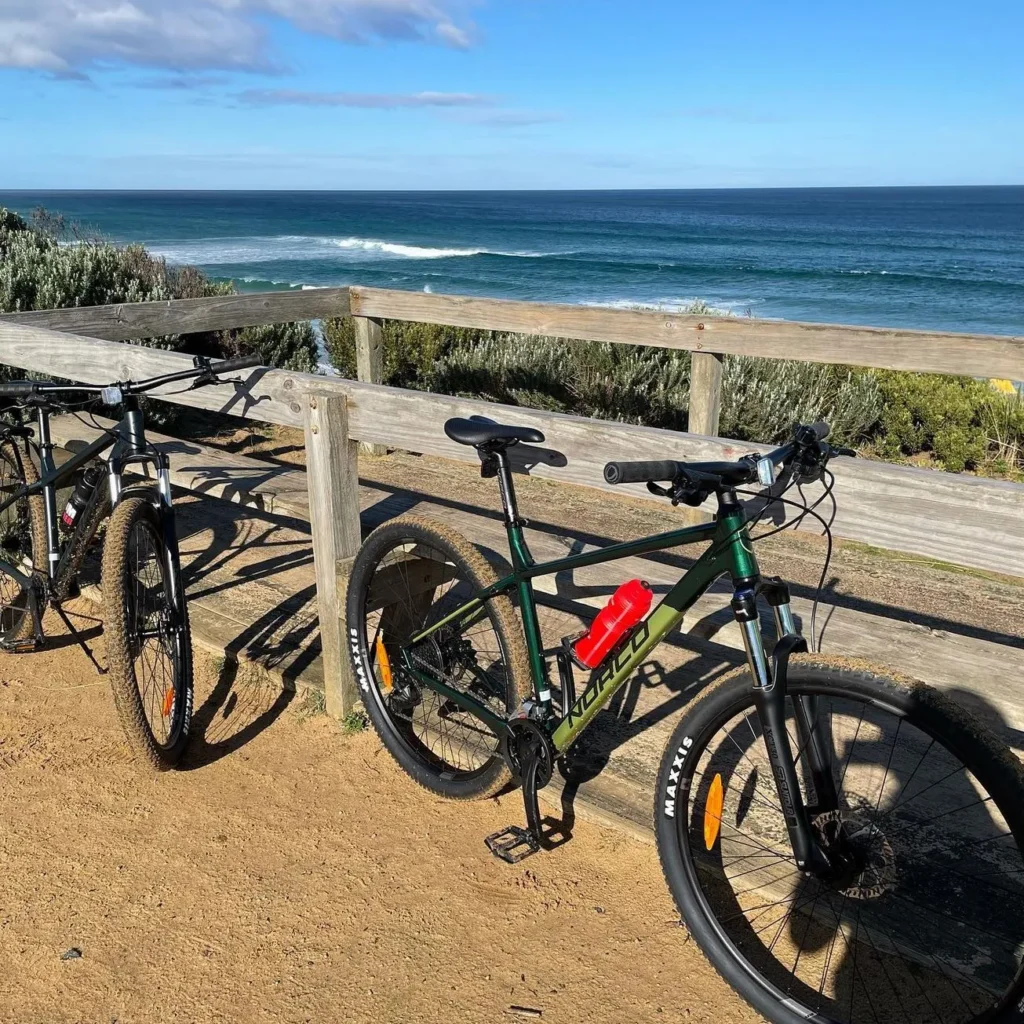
<point>514,844</point>
<point>78,638</point>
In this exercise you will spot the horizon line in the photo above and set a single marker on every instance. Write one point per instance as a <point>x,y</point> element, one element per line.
<point>406,191</point>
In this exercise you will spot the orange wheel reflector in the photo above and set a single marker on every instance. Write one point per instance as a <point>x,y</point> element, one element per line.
<point>713,812</point>
<point>168,701</point>
<point>384,663</point>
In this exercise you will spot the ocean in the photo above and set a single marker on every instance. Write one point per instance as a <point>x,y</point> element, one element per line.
<point>939,258</point>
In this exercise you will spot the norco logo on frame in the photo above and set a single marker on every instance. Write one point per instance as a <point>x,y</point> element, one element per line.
<point>593,692</point>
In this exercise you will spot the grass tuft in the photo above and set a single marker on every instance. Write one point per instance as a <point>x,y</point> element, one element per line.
<point>355,721</point>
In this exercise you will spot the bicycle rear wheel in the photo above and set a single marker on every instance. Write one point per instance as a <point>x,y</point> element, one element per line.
<point>410,574</point>
<point>927,922</point>
<point>149,646</point>
<point>22,541</point>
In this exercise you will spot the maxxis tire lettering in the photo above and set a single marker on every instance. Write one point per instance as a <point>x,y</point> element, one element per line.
<point>672,784</point>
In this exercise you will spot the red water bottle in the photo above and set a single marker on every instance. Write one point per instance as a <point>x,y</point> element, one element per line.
<point>628,605</point>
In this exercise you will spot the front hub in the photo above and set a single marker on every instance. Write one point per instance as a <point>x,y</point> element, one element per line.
<point>861,858</point>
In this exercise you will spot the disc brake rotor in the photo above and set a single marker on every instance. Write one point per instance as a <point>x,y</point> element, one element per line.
<point>869,860</point>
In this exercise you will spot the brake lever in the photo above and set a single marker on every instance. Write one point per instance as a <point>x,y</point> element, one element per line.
<point>684,491</point>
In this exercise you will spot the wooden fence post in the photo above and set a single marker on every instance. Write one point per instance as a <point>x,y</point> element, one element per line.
<point>332,476</point>
<point>705,393</point>
<point>370,362</point>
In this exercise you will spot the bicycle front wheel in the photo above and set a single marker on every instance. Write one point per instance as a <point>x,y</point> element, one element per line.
<point>925,923</point>
<point>149,647</point>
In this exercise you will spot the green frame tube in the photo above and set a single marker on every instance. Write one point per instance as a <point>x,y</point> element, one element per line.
<point>730,553</point>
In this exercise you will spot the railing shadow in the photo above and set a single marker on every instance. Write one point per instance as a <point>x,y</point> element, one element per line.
<point>406,499</point>
<point>242,704</point>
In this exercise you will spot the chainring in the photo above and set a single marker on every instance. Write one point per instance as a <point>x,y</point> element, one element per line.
<point>528,738</point>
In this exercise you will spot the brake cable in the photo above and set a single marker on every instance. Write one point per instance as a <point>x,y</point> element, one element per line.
<point>826,532</point>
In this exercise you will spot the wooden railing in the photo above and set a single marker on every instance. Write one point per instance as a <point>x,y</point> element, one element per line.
<point>955,518</point>
<point>708,338</point>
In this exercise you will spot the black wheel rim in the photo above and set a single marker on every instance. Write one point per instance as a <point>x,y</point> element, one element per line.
<point>929,925</point>
<point>440,735</point>
<point>154,635</point>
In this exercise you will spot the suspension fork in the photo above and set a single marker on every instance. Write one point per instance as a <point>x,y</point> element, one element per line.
<point>170,537</point>
<point>815,743</point>
<point>44,444</point>
<point>770,702</point>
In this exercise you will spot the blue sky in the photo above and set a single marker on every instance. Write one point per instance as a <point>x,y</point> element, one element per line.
<point>508,93</point>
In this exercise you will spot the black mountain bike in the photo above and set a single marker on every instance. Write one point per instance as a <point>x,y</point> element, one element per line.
<point>149,648</point>
<point>843,844</point>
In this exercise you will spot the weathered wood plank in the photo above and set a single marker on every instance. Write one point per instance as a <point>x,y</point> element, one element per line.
<point>121,321</point>
<point>332,476</point>
<point>267,395</point>
<point>705,393</point>
<point>952,517</point>
<point>370,362</point>
<point>975,355</point>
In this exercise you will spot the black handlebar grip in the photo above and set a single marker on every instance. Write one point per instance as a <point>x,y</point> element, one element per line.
<point>238,363</point>
<point>640,472</point>
<point>17,388</point>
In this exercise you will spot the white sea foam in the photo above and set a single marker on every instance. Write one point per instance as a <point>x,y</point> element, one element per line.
<point>715,307</point>
<point>278,248</point>
<point>411,252</point>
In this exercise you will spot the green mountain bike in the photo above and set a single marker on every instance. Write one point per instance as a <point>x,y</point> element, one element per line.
<point>843,844</point>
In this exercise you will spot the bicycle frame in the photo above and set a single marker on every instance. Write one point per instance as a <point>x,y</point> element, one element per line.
<point>129,447</point>
<point>719,559</point>
<point>730,553</point>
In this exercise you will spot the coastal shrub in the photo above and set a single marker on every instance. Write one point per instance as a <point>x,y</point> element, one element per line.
<point>48,265</point>
<point>763,398</point>
<point>964,423</point>
<point>958,422</point>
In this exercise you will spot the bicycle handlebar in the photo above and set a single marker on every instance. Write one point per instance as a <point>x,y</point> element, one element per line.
<point>17,388</point>
<point>236,363</point>
<point>28,388</point>
<point>806,439</point>
<point>641,472</point>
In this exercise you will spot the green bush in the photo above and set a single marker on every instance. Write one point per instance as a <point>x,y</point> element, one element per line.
<point>48,266</point>
<point>763,398</point>
<point>961,421</point>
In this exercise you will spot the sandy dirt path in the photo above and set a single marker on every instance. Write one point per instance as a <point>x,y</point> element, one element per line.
<point>291,873</point>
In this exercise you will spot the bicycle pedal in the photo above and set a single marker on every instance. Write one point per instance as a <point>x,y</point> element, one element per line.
<point>19,646</point>
<point>512,844</point>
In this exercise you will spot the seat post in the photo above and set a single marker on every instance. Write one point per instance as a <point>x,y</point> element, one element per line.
<point>507,488</point>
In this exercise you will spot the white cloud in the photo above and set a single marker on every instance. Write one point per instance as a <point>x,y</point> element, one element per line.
<point>371,100</point>
<point>66,37</point>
